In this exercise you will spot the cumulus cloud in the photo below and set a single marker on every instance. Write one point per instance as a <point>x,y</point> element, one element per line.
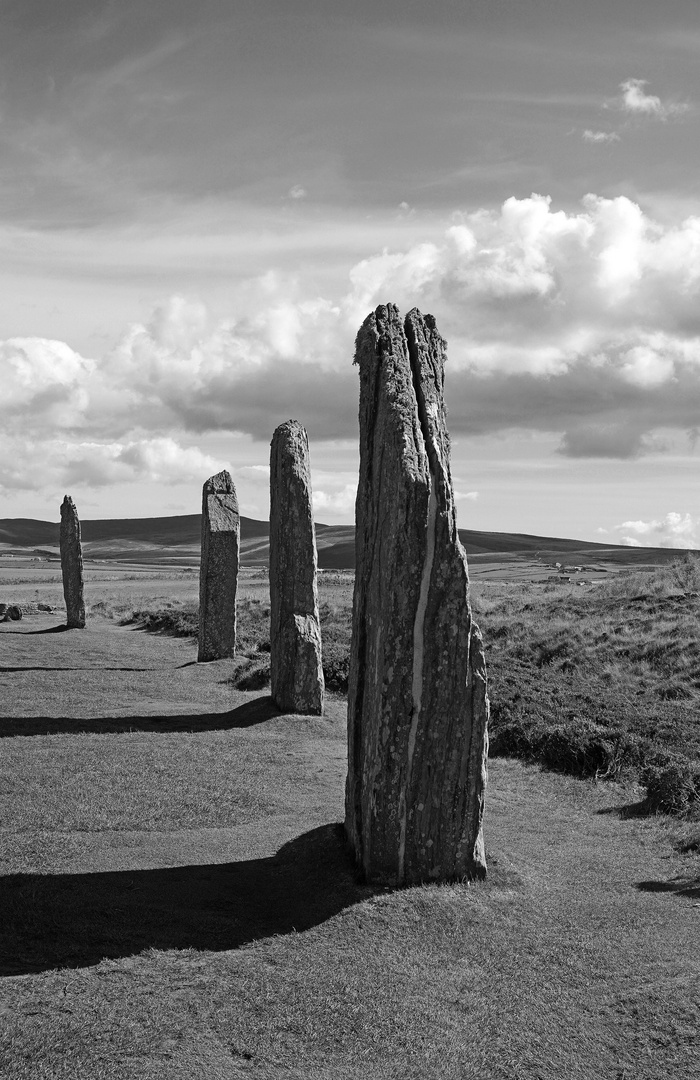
<point>527,261</point>
<point>44,382</point>
<point>582,323</point>
<point>53,463</point>
<point>297,192</point>
<point>673,531</point>
<point>340,502</point>
<point>600,136</point>
<point>634,99</point>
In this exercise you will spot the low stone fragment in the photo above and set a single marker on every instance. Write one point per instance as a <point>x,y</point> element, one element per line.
<point>417,703</point>
<point>218,574</point>
<point>72,564</point>
<point>10,612</point>
<point>296,670</point>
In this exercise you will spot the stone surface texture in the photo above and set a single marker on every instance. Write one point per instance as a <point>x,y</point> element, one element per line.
<point>72,564</point>
<point>295,636</point>
<point>218,574</point>
<point>417,703</point>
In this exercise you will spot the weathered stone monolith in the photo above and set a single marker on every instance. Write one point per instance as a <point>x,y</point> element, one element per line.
<point>296,671</point>
<point>218,574</point>
<point>417,703</point>
<point>72,564</point>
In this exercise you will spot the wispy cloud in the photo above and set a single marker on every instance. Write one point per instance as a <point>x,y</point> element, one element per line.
<point>600,136</point>
<point>635,100</point>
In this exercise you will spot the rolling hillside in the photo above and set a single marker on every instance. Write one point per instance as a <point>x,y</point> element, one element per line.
<point>176,541</point>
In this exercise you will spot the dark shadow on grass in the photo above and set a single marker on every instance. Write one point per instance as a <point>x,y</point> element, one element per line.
<point>94,667</point>
<point>243,716</point>
<point>640,808</point>
<point>75,920</point>
<point>47,630</point>
<point>681,886</point>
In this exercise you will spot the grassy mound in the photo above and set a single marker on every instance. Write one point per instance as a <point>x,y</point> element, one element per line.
<point>253,636</point>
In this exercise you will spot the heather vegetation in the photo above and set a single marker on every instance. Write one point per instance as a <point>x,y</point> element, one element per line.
<point>602,681</point>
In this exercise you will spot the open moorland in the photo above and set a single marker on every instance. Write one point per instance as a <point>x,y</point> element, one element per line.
<point>143,544</point>
<point>177,899</point>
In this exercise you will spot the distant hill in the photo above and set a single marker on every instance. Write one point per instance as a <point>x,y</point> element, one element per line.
<point>176,540</point>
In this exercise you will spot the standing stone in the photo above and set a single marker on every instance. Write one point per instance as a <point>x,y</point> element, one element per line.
<point>296,671</point>
<point>218,573</point>
<point>72,564</point>
<point>417,703</point>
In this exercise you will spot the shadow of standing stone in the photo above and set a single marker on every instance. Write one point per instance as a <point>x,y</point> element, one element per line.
<point>417,702</point>
<point>72,564</point>
<point>296,670</point>
<point>218,574</point>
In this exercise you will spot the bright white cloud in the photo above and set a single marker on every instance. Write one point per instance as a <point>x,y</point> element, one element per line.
<point>634,99</point>
<point>673,531</point>
<point>472,496</point>
<point>579,322</point>
<point>340,502</point>
<point>43,382</point>
<point>647,367</point>
<point>600,136</point>
<point>297,192</point>
<point>531,288</point>
<point>52,463</point>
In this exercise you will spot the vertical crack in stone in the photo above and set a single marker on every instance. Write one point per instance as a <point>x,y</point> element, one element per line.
<point>416,720</point>
<point>418,660</point>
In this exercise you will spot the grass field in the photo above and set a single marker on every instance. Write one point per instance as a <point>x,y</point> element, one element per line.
<point>178,902</point>
<point>598,681</point>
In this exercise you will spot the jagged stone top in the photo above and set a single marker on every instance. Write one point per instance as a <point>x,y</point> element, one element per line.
<point>290,428</point>
<point>291,439</point>
<point>381,351</point>
<point>70,522</point>
<point>221,484</point>
<point>426,348</point>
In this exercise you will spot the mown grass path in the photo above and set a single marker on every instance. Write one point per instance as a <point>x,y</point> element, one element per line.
<point>177,903</point>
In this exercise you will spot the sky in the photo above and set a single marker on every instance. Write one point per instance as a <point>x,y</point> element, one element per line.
<point>200,204</point>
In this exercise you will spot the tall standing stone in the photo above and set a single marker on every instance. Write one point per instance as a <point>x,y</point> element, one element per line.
<point>417,702</point>
<point>218,573</point>
<point>72,564</point>
<point>295,637</point>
